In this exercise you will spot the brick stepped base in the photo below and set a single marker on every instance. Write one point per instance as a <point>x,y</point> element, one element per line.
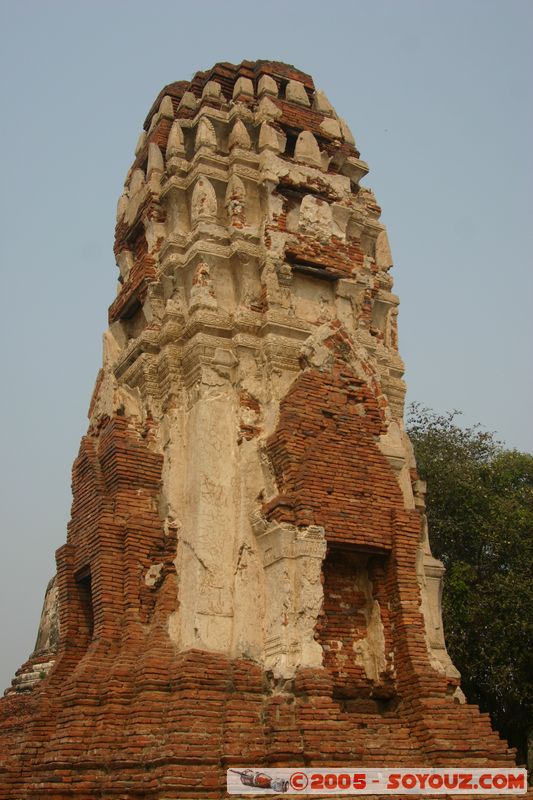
<point>380,738</point>
<point>124,716</point>
<point>110,733</point>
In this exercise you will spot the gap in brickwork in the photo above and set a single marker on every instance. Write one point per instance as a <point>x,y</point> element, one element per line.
<point>85,593</point>
<point>350,628</point>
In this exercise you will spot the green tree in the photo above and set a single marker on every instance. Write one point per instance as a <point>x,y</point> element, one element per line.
<point>480,515</point>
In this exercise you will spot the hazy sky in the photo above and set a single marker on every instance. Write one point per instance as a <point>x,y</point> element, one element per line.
<point>439,97</point>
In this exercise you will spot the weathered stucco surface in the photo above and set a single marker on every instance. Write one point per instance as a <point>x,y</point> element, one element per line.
<point>247,576</point>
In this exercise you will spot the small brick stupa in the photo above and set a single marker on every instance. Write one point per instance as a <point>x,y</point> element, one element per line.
<point>247,578</point>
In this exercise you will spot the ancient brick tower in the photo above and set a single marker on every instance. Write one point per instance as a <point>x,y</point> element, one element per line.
<point>247,578</point>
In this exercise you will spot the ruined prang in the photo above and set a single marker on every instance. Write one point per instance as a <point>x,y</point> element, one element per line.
<point>247,579</point>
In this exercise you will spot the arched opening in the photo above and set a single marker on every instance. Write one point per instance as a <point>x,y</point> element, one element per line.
<point>85,596</point>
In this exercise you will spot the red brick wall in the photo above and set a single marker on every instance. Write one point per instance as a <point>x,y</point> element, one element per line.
<point>328,467</point>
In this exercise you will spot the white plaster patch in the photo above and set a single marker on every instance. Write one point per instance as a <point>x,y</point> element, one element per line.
<point>153,574</point>
<point>315,218</point>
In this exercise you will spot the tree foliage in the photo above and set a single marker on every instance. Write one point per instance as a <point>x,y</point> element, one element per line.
<point>480,515</point>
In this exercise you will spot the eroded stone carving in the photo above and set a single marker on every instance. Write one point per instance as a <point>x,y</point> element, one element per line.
<point>203,200</point>
<point>307,149</point>
<point>175,143</point>
<point>236,201</point>
<point>267,85</point>
<point>239,136</point>
<point>155,160</point>
<point>295,92</point>
<point>165,107</point>
<point>205,134</point>
<point>202,290</point>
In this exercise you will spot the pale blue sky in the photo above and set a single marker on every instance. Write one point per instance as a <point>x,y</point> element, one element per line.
<point>439,97</point>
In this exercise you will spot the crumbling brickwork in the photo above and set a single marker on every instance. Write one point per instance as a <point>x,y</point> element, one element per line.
<point>247,578</point>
